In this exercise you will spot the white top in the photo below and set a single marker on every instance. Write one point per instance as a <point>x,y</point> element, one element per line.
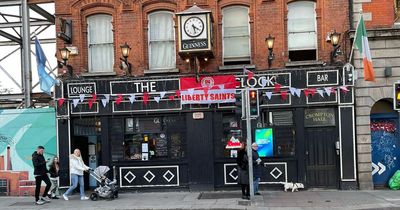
<point>76,165</point>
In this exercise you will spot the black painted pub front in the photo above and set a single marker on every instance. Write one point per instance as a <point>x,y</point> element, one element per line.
<point>141,126</point>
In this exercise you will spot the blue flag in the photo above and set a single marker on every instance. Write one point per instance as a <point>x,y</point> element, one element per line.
<point>45,80</point>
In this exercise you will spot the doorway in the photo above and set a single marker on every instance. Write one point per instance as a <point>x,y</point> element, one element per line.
<point>81,142</point>
<point>321,157</point>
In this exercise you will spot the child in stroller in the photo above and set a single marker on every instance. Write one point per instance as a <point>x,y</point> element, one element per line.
<point>106,188</point>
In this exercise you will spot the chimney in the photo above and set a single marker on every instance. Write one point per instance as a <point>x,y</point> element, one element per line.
<point>9,167</point>
<point>2,163</point>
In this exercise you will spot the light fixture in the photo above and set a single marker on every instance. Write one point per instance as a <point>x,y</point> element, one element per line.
<point>65,57</point>
<point>335,38</point>
<point>269,42</point>
<point>125,51</point>
<point>205,59</point>
<point>187,60</point>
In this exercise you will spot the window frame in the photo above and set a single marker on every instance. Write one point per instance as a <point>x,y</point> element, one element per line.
<point>170,40</point>
<point>315,31</point>
<point>89,60</point>
<point>242,58</point>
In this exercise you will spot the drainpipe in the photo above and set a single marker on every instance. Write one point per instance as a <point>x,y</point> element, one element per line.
<point>351,14</point>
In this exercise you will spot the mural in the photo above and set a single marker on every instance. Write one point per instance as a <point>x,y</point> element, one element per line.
<point>21,131</point>
<point>385,149</point>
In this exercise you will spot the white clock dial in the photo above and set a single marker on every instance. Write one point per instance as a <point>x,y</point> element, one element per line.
<point>194,26</point>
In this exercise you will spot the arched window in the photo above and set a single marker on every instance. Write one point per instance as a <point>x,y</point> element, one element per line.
<point>302,36</point>
<point>161,41</point>
<point>100,43</point>
<point>236,35</point>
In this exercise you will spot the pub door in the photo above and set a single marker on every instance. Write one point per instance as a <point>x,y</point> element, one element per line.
<point>321,157</point>
<point>200,152</point>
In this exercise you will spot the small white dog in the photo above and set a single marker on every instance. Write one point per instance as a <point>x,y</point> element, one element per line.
<point>293,186</point>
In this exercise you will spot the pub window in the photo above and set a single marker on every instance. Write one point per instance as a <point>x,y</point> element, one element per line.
<point>284,133</point>
<point>302,36</point>
<point>154,138</point>
<point>231,132</point>
<point>100,43</point>
<point>161,41</point>
<point>236,35</point>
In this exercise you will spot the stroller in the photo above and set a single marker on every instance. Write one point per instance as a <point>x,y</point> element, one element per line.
<point>107,188</point>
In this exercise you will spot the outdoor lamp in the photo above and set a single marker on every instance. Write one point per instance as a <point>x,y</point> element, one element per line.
<point>335,38</point>
<point>269,41</point>
<point>125,50</point>
<point>65,56</point>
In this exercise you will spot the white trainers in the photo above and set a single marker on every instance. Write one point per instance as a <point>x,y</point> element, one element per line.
<point>47,200</point>
<point>65,197</point>
<point>84,198</point>
<point>40,202</point>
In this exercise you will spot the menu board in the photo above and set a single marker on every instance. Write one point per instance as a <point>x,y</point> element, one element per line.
<point>161,146</point>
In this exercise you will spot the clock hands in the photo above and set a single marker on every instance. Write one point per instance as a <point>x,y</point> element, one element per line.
<point>195,28</point>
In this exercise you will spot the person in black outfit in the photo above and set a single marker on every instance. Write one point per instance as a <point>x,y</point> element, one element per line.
<point>53,170</point>
<point>243,171</point>
<point>40,173</point>
<point>256,168</point>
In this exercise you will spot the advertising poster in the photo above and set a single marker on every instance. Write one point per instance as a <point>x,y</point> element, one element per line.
<point>264,139</point>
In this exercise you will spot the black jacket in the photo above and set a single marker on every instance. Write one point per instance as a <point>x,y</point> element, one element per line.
<point>39,164</point>
<point>257,170</point>
<point>53,171</point>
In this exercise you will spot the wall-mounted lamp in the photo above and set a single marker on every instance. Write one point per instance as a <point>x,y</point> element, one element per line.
<point>65,56</point>
<point>125,50</point>
<point>334,39</point>
<point>269,41</point>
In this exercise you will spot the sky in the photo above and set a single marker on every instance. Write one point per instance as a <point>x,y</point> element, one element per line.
<point>12,64</point>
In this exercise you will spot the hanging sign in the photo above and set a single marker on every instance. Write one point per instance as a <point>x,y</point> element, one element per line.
<point>210,89</point>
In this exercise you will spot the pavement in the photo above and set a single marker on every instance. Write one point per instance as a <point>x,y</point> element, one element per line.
<point>220,200</point>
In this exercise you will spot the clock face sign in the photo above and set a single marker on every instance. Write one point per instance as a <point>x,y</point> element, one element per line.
<point>194,26</point>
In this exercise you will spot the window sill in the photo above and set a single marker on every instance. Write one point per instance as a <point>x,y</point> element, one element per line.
<point>160,71</point>
<point>304,63</point>
<point>236,67</point>
<point>97,74</point>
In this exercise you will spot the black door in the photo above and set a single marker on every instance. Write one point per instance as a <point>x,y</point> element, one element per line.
<point>81,143</point>
<point>321,158</point>
<point>200,152</point>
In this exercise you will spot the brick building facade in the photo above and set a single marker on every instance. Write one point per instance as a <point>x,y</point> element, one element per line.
<point>140,122</point>
<point>374,100</point>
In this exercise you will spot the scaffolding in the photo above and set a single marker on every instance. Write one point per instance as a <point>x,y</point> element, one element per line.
<point>20,22</point>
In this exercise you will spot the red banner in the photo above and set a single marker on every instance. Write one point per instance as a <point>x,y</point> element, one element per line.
<point>210,89</point>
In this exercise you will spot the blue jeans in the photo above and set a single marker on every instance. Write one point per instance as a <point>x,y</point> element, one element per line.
<point>75,179</point>
<point>256,182</point>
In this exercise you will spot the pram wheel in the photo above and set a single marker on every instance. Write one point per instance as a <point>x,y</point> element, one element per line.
<point>94,197</point>
<point>116,194</point>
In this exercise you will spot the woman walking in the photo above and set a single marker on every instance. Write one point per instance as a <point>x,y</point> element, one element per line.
<point>243,171</point>
<point>77,167</point>
<point>53,170</point>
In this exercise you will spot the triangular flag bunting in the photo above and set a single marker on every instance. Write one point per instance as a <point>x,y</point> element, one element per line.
<point>277,87</point>
<point>75,102</point>
<point>312,91</point>
<point>157,99</point>
<point>248,72</point>
<point>321,93</point>
<point>333,89</point>
<point>61,101</point>
<point>94,97</point>
<point>292,91</point>
<point>81,97</point>
<point>328,91</point>
<point>104,102</point>
<point>344,89</point>
<point>263,82</point>
<point>119,99</point>
<point>269,95</point>
<point>132,98</point>
<point>171,97</point>
<point>90,103</point>
<point>306,92</point>
<point>162,94</point>
<point>298,92</point>
<point>145,98</point>
<point>178,93</point>
<point>283,95</point>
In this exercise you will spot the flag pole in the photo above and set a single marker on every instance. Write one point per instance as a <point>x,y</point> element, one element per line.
<point>354,40</point>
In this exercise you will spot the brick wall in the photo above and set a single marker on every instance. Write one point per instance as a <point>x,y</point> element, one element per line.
<point>377,13</point>
<point>130,25</point>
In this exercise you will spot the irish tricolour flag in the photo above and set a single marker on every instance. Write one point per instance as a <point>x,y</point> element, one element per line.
<point>361,43</point>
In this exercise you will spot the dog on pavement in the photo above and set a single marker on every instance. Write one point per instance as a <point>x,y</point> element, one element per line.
<point>292,186</point>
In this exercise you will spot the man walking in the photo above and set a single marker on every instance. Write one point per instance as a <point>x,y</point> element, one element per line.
<point>40,173</point>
